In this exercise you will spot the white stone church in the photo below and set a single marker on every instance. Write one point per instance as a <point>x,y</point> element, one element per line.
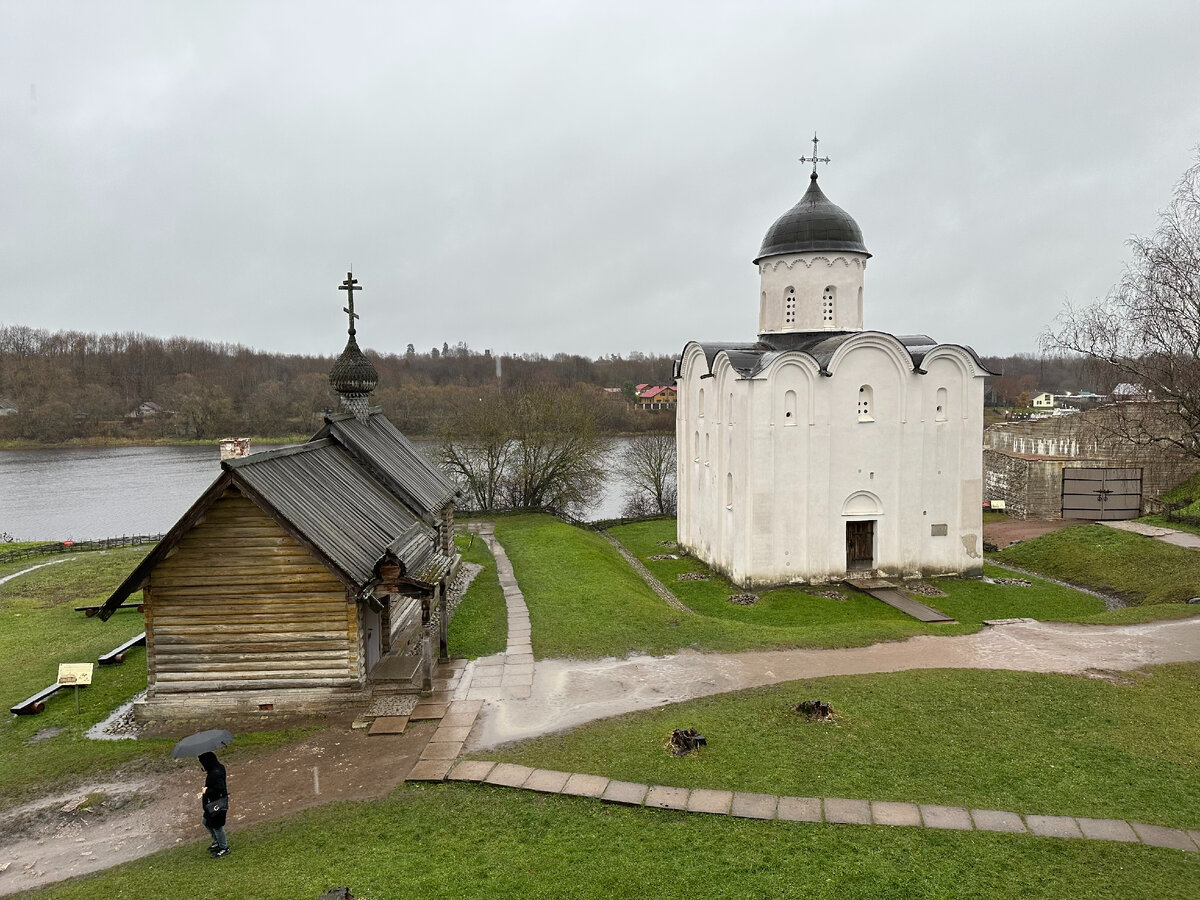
<point>823,451</point>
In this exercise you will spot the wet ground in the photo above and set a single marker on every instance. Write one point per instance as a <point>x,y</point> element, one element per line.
<point>567,693</point>
<point>98,825</point>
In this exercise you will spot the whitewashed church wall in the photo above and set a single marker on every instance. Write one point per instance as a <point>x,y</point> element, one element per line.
<point>790,482</point>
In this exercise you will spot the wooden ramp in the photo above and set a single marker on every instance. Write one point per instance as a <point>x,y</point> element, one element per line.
<point>889,593</point>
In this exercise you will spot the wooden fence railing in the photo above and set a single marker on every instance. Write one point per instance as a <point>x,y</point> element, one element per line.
<point>127,540</point>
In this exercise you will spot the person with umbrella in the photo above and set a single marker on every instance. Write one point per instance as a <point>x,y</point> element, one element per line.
<point>215,797</point>
<point>215,800</point>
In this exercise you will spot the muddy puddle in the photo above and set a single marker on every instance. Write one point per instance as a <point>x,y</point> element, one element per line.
<point>567,693</point>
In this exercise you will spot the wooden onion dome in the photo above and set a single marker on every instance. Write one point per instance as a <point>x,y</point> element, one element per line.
<point>353,376</point>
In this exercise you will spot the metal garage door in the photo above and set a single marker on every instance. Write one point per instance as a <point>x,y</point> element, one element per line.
<point>1101,493</point>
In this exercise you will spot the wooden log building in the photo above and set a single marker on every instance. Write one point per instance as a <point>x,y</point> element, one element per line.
<point>304,577</point>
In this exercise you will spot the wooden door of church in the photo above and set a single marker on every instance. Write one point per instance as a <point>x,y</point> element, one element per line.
<point>860,545</point>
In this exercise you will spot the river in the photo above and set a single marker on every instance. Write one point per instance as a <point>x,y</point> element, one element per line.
<point>80,494</point>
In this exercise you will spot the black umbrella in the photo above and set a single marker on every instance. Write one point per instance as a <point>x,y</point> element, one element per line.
<point>204,742</point>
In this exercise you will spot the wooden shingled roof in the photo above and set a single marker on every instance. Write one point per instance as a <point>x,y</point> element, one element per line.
<point>345,505</point>
<point>379,446</point>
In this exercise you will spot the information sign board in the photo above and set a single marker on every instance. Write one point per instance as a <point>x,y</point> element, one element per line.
<point>74,673</point>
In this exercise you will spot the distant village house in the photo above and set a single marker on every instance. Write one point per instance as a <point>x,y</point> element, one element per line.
<point>656,396</point>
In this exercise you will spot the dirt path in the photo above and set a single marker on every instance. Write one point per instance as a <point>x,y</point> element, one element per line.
<point>1010,531</point>
<point>567,693</point>
<point>48,840</point>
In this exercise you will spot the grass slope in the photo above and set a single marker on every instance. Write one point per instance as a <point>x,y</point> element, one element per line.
<point>1031,743</point>
<point>465,841</point>
<point>1138,568</point>
<point>479,626</point>
<point>585,601</point>
<point>39,629</point>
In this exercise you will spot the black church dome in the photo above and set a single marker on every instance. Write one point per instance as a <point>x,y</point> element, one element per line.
<point>813,224</point>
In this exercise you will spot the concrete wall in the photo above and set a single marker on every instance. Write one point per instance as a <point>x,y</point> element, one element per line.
<point>772,468</point>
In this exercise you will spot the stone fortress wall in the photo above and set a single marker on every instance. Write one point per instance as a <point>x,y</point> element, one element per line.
<point>1023,461</point>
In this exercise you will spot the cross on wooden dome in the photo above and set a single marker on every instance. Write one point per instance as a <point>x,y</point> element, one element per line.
<point>350,285</point>
<point>814,159</point>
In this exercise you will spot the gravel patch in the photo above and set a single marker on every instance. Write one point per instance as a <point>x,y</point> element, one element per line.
<point>119,726</point>
<point>923,589</point>
<point>830,595</point>
<point>393,705</point>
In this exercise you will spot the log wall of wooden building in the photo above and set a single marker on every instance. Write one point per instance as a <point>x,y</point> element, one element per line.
<point>239,605</point>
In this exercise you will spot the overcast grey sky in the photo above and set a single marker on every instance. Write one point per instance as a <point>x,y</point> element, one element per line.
<point>580,177</point>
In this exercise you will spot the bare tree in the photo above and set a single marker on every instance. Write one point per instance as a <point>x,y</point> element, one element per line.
<point>1147,330</point>
<point>476,442</point>
<point>648,464</point>
<point>535,448</point>
<point>557,457</point>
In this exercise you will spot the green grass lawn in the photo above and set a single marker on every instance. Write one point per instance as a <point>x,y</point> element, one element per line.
<point>1027,742</point>
<point>40,629</point>
<point>479,627</point>
<point>1140,569</point>
<point>465,841</point>
<point>783,617</point>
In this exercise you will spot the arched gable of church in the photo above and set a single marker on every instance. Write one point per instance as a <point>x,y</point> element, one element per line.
<point>791,381</point>
<point>875,369</point>
<point>950,372</point>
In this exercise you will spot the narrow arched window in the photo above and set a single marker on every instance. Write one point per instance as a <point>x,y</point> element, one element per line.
<point>707,446</point>
<point>828,298</point>
<point>866,404</point>
<point>789,408</point>
<point>729,417</point>
<point>729,490</point>
<point>789,306</point>
<point>700,403</point>
<point>943,400</point>
<point>696,446</point>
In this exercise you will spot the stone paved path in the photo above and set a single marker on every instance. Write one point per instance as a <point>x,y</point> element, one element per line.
<point>833,810</point>
<point>507,675</point>
<point>1166,535</point>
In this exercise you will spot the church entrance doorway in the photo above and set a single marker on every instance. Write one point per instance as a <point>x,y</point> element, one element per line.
<point>860,545</point>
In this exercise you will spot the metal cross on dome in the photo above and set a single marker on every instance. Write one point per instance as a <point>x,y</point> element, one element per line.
<point>350,285</point>
<point>814,159</point>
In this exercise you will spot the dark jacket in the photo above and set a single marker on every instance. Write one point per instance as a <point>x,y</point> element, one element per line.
<point>215,789</point>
